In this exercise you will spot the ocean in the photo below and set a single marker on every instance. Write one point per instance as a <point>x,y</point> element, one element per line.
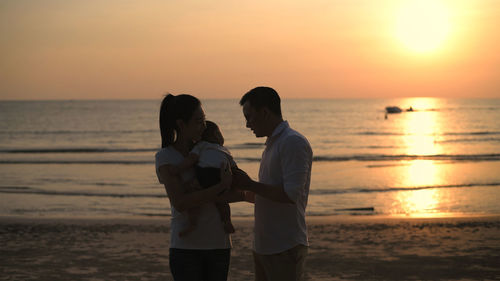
<point>95,159</point>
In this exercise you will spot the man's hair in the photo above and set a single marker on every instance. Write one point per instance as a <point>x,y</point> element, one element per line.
<point>263,97</point>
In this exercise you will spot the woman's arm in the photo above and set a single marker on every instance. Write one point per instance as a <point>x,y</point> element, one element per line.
<point>182,201</point>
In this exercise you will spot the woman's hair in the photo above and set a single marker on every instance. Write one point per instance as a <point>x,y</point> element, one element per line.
<point>172,109</point>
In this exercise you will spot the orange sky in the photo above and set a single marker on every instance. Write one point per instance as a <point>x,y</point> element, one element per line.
<point>71,49</point>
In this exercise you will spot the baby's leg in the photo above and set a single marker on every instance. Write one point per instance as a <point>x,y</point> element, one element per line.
<point>208,177</point>
<point>225,215</point>
<point>193,215</point>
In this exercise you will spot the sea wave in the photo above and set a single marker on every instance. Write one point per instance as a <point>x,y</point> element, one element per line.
<point>473,133</point>
<point>320,158</point>
<point>74,132</point>
<point>468,140</point>
<point>313,192</point>
<point>478,133</point>
<point>395,189</point>
<point>246,145</point>
<point>77,150</point>
<point>242,145</point>
<point>93,162</point>
<point>31,190</point>
<point>405,157</point>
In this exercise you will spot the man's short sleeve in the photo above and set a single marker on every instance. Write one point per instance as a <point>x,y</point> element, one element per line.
<point>296,162</point>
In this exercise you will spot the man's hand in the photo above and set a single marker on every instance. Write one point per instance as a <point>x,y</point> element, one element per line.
<point>235,195</point>
<point>249,196</point>
<point>273,192</point>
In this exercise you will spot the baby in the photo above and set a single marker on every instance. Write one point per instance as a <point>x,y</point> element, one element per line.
<point>208,155</point>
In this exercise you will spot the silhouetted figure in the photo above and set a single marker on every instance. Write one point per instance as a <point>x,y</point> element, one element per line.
<point>281,193</point>
<point>204,253</point>
<point>207,156</point>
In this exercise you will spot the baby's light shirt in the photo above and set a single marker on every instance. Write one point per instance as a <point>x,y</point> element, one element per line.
<point>212,155</point>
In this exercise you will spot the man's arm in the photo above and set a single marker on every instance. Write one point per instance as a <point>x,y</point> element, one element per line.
<point>296,160</point>
<point>272,192</point>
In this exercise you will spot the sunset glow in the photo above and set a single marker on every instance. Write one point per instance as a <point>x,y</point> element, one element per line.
<point>304,49</point>
<point>423,25</point>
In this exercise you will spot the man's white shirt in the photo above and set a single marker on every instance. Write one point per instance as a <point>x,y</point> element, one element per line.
<point>286,161</point>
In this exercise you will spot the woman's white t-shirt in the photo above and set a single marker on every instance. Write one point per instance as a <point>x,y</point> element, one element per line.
<point>209,231</point>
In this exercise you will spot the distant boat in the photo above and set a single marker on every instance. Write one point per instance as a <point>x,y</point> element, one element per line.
<point>393,109</point>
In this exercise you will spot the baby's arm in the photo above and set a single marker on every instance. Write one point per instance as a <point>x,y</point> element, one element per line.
<point>187,163</point>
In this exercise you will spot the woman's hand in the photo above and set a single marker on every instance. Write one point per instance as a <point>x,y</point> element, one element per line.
<point>192,185</point>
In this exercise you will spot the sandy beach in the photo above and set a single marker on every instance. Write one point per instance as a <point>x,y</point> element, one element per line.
<point>342,248</point>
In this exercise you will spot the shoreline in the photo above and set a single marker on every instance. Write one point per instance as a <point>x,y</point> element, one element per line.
<point>314,219</point>
<point>341,248</point>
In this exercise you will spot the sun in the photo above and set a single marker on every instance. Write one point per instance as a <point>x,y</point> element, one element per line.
<point>422,25</point>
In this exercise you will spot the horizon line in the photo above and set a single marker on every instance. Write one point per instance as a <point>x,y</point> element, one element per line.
<point>216,98</point>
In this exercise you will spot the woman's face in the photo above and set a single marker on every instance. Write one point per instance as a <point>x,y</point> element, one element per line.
<point>194,128</point>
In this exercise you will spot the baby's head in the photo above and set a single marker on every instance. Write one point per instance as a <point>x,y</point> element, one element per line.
<point>212,133</point>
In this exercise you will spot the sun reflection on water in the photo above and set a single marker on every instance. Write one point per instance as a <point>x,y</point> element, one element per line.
<point>422,173</point>
<point>421,199</point>
<point>421,127</point>
<point>417,201</point>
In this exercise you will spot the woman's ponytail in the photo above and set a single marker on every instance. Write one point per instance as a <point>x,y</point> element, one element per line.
<point>167,121</point>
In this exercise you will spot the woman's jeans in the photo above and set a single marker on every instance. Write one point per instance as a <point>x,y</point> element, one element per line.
<point>200,265</point>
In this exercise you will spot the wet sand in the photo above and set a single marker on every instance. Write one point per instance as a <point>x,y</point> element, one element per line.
<point>342,248</point>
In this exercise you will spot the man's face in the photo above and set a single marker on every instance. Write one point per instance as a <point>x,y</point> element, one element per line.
<point>254,119</point>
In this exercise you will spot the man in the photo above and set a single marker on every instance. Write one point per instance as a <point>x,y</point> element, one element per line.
<point>280,195</point>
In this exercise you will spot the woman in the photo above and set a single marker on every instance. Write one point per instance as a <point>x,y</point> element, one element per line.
<point>204,253</point>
